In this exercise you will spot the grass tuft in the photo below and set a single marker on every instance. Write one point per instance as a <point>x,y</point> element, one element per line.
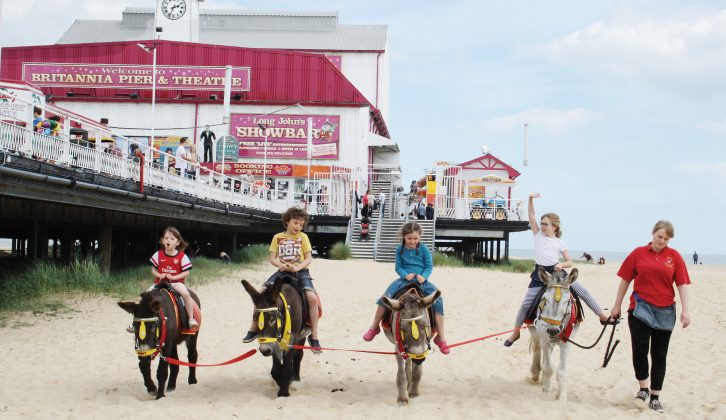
<point>339,251</point>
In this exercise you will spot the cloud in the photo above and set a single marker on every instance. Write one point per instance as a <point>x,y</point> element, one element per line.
<point>713,127</point>
<point>677,51</point>
<point>549,120</point>
<point>713,170</point>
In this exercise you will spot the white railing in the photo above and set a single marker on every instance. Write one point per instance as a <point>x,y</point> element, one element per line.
<point>205,184</point>
<point>481,208</point>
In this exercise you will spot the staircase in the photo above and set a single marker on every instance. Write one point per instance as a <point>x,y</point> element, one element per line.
<point>384,186</point>
<point>363,249</point>
<point>391,237</point>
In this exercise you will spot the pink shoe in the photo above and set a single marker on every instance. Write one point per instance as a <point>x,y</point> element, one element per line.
<point>443,347</point>
<point>371,334</point>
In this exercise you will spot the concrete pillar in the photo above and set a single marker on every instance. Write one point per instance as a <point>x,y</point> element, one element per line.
<point>506,246</point>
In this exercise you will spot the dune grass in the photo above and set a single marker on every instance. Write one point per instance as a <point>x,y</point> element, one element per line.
<point>339,251</point>
<point>38,287</point>
<point>512,266</point>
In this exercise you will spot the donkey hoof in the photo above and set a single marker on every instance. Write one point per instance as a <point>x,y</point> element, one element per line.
<point>402,401</point>
<point>170,388</point>
<point>192,381</point>
<point>296,378</point>
<point>282,393</point>
<point>160,396</point>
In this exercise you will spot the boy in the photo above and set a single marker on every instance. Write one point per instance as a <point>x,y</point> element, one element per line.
<point>291,252</point>
<point>364,226</point>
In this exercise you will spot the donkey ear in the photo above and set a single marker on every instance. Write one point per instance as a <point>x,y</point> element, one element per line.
<point>276,287</point>
<point>392,304</point>
<point>128,306</point>
<point>573,276</point>
<point>430,299</point>
<point>544,276</point>
<point>254,294</point>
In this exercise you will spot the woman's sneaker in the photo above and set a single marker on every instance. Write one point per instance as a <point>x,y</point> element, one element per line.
<point>656,406</point>
<point>641,398</point>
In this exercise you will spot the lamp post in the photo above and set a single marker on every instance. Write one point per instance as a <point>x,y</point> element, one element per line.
<point>153,89</point>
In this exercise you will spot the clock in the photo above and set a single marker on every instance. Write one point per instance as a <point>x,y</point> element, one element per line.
<point>173,9</point>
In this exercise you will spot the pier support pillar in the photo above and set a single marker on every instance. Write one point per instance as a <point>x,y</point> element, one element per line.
<point>105,239</point>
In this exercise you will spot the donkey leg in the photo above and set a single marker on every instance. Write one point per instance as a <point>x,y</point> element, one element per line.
<point>192,356</point>
<point>145,368</point>
<point>415,380</point>
<point>174,371</point>
<point>162,372</point>
<point>536,367</point>
<point>296,361</point>
<point>547,369</point>
<point>276,369</point>
<point>285,375</point>
<point>562,372</point>
<point>401,381</point>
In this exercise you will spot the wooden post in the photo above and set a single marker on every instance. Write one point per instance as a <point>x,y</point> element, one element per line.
<point>104,248</point>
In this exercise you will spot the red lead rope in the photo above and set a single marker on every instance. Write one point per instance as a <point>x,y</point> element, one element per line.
<point>228,362</point>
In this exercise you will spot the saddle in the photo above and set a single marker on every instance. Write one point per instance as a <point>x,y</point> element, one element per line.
<point>180,310</point>
<point>386,324</point>
<point>292,281</point>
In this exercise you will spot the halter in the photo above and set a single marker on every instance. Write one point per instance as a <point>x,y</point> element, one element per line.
<point>281,336</point>
<point>401,343</point>
<point>142,334</point>
<point>558,297</point>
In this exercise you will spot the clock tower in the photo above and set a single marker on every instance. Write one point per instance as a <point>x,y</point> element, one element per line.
<point>179,18</point>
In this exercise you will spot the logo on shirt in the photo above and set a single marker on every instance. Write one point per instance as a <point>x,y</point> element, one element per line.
<point>669,262</point>
<point>289,250</point>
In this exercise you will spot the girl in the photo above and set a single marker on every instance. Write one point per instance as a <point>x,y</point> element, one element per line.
<point>413,264</point>
<point>172,266</point>
<point>547,250</point>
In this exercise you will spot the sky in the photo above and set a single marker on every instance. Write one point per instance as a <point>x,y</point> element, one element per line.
<point>625,101</point>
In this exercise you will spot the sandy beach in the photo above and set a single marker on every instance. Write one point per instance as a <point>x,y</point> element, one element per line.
<point>80,364</point>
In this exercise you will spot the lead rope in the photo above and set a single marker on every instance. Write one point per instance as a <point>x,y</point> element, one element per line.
<point>608,351</point>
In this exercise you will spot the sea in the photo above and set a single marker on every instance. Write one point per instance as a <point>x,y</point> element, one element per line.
<point>616,257</point>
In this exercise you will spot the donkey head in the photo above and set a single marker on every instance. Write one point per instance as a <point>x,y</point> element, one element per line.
<point>147,327</point>
<point>555,306</point>
<point>415,328</point>
<point>268,317</point>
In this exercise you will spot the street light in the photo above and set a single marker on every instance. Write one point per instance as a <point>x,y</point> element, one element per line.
<point>159,29</point>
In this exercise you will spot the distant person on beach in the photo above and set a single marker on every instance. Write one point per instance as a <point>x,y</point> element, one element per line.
<point>695,257</point>
<point>587,257</point>
<point>653,269</point>
<point>601,261</point>
<point>414,264</point>
<point>548,247</point>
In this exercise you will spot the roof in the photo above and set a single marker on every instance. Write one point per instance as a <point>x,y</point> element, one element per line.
<point>314,31</point>
<point>489,161</point>
<point>277,77</point>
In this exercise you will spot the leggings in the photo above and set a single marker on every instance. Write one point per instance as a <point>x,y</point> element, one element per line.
<point>577,287</point>
<point>642,337</point>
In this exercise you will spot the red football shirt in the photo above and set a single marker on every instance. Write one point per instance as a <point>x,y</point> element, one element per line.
<point>654,274</point>
<point>173,265</point>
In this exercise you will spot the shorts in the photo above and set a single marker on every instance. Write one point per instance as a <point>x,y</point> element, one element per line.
<point>302,276</point>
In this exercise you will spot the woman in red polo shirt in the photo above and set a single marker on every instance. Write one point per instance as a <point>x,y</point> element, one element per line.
<point>651,314</point>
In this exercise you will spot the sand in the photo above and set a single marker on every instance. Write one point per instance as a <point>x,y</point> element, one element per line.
<point>80,364</point>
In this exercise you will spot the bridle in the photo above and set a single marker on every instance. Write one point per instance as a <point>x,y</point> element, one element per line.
<point>282,332</point>
<point>158,323</point>
<point>560,324</point>
<point>402,344</point>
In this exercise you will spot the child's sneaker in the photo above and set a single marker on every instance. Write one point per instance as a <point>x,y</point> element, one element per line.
<point>250,337</point>
<point>443,347</point>
<point>130,329</point>
<point>315,344</point>
<point>371,334</point>
<point>193,324</point>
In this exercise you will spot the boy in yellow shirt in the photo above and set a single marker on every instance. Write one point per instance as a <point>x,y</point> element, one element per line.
<point>291,253</point>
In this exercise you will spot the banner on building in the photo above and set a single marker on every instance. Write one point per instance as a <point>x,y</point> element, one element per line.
<point>286,136</point>
<point>114,76</point>
<point>273,169</point>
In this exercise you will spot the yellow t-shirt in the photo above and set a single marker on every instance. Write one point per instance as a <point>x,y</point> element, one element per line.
<point>290,248</point>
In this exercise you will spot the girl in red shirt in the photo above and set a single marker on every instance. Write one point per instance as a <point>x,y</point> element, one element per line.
<point>653,269</point>
<point>172,266</point>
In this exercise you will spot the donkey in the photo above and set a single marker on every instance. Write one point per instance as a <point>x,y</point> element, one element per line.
<point>158,330</point>
<point>410,332</point>
<point>558,316</point>
<point>279,313</point>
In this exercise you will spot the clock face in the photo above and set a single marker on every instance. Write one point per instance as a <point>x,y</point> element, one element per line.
<point>173,9</point>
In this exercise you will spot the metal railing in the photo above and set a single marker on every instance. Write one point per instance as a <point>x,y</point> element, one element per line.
<point>483,208</point>
<point>205,184</point>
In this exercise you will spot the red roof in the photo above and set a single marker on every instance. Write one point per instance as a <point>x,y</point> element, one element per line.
<point>489,161</point>
<point>278,77</point>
